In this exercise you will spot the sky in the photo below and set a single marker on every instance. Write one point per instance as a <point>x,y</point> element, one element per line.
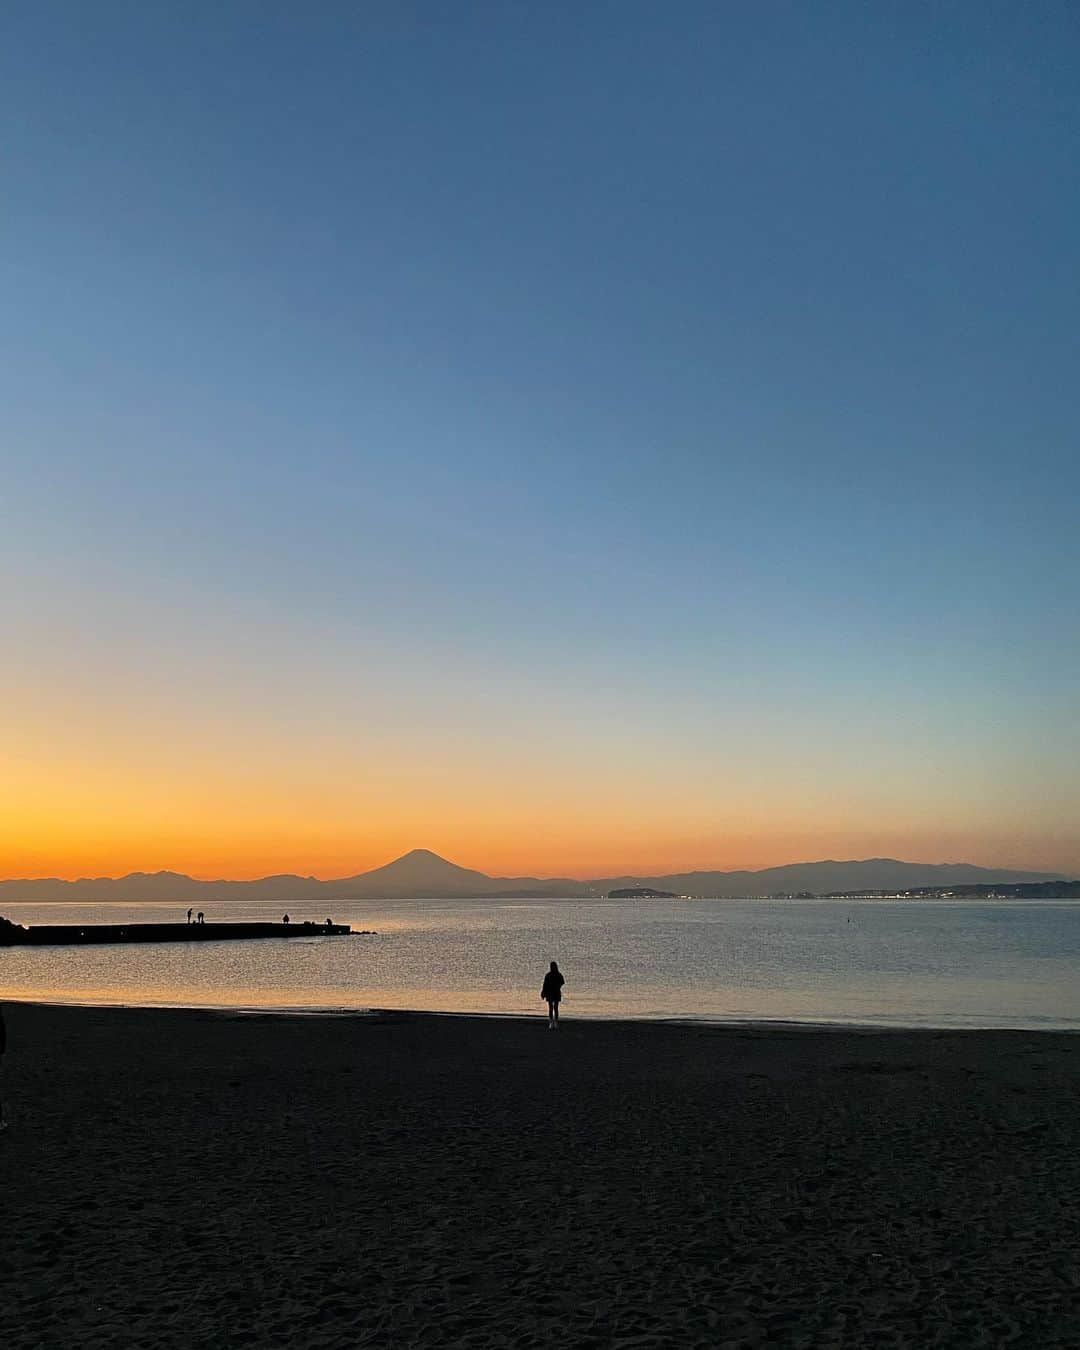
<point>575,438</point>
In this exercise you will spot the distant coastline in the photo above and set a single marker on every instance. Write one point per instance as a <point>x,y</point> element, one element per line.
<point>1031,890</point>
<point>423,875</point>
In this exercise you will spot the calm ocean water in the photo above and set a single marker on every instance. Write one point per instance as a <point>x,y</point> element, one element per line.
<point>914,963</point>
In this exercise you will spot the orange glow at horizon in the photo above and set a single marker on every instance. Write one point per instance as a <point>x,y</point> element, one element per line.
<point>571,852</point>
<point>119,778</point>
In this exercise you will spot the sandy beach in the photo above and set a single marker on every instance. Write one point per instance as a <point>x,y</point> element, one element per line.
<point>195,1179</point>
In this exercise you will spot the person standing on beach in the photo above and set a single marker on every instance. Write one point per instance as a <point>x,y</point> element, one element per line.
<point>189,916</point>
<point>551,992</point>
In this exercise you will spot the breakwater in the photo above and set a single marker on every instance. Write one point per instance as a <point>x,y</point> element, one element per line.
<point>77,935</point>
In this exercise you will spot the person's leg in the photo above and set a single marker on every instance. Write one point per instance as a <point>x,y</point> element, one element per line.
<point>555,1011</point>
<point>551,1013</point>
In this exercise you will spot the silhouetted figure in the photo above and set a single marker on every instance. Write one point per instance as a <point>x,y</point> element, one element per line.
<point>551,992</point>
<point>189,914</point>
<point>285,919</point>
<point>3,1047</point>
<point>201,918</point>
<point>329,923</point>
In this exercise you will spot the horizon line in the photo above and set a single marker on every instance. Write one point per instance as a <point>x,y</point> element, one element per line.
<point>554,876</point>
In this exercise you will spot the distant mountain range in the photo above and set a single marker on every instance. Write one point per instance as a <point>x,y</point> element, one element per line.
<point>423,875</point>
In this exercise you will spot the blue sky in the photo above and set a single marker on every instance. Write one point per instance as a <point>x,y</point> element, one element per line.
<point>651,385</point>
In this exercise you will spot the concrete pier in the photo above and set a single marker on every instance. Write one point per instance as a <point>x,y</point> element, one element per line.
<point>78,935</point>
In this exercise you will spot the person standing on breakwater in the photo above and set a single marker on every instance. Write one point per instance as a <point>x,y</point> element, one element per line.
<point>189,916</point>
<point>551,992</point>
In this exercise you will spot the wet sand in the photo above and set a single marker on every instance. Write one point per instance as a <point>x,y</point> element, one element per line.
<point>177,1179</point>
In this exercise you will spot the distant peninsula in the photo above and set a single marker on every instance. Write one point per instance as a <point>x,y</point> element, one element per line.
<point>423,875</point>
<point>640,893</point>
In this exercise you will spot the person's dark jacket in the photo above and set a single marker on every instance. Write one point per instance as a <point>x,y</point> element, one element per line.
<point>552,986</point>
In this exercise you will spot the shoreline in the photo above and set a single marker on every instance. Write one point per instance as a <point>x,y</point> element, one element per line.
<point>176,1177</point>
<point>673,1020</point>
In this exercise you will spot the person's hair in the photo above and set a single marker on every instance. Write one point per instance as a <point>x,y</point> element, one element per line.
<point>554,965</point>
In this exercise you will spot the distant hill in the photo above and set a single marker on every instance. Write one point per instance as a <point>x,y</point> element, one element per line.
<point>422,875</point>
<point>877,874</point>
<point>170,886</point>
<point>419,874</point>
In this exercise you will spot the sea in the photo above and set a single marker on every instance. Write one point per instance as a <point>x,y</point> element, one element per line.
<point>895,963</point>
<point>944,963</point>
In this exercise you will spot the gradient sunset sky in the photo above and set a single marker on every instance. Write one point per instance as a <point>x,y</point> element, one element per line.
<point>575,438</point>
